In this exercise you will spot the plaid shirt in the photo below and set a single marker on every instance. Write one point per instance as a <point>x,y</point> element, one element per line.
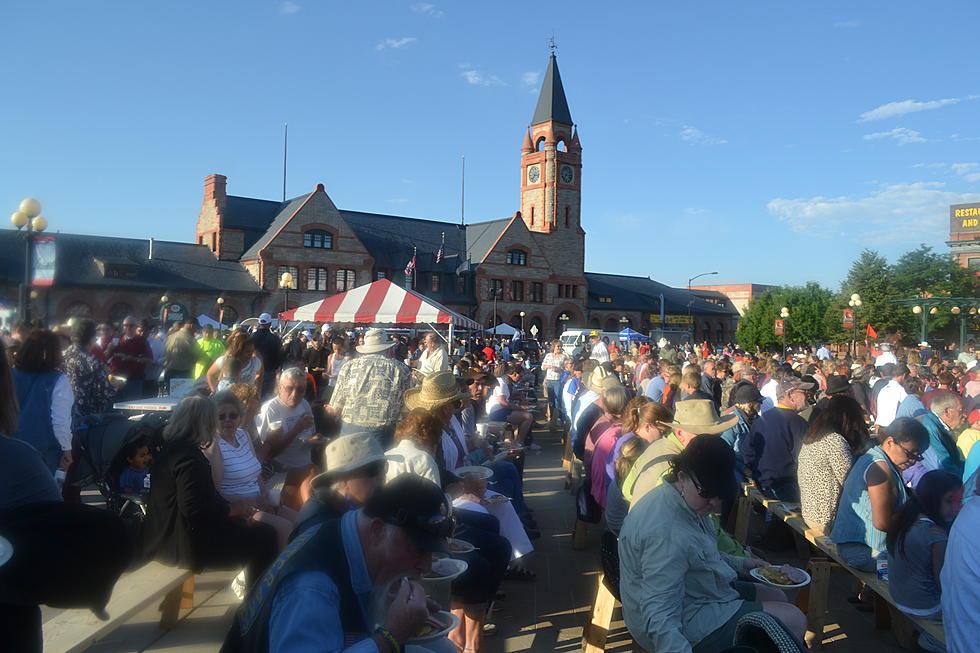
<point>370,389</point>
<point>89,380</point>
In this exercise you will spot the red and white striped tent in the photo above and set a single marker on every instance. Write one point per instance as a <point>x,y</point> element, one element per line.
<point>380,302</point>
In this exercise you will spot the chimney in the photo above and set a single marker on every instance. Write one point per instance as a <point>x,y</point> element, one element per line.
<point>149,256</point>
<point>214,189</point>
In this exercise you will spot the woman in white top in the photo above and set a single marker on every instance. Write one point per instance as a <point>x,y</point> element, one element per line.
<point>501,409</point>
<point>417,439</point>
<point>236,468</point>
<point>238,347</point>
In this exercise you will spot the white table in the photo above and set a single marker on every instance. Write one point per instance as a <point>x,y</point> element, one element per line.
<point>152,404</point>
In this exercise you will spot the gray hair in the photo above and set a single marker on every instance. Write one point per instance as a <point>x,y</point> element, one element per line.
<point>291,374</point>
<point>943,402</point>
<point>228,398</point>
<point>194,419</point>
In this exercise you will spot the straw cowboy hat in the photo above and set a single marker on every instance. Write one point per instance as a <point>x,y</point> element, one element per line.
<point>346,454</point>
<point>601,379</point>
<point>436,390</point>
<point>699,416</point>
<point>375,340</point>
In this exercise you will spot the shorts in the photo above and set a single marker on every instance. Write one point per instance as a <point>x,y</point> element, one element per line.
<point>499,414</point>
<point>722,637</point>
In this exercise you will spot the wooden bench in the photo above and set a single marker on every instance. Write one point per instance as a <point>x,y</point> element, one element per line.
<point>596,630</point>
<point>76,630</point>
<point>813,598</point>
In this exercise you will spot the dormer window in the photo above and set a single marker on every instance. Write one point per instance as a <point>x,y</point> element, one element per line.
<point>318,239</point>
<point>516,257</point>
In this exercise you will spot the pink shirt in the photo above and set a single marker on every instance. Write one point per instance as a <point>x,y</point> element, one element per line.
<point>603,446</point>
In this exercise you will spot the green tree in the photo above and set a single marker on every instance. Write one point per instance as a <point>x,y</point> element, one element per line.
<point>924,273</point>
<point>807,306</point>
<point>874,279</point>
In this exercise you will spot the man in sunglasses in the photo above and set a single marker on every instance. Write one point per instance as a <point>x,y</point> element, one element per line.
<point>318,595</point>
<point>129,357</point>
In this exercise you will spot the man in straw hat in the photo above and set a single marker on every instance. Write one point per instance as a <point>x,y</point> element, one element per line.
<point>370,388</point>
<point>692,418</point>
<point>318,593</point>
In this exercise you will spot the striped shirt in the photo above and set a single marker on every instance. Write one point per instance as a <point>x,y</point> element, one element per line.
<point>241,467</point>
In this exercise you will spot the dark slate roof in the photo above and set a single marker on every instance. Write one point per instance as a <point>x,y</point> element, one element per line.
<point>249,213</point>
<point>643,294</point>
<point>272,229</point>
<point>552,104</point>
<point>480,237</point>
<point>390,239</point>
<point>175,266</point>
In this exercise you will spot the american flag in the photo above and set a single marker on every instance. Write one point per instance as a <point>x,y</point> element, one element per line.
<point>442,249</point>
<point>410,268</point>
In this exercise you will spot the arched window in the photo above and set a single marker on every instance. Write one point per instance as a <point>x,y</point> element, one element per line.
<point>317,278</point>
<point>539,144</point>
<point>318,239</point>
<point>561,146</point>
<point>517,257</point>
<point>566,216</point>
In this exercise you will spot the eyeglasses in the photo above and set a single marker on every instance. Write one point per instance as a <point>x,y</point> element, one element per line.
<point>223,416</point>
<point>911,455</point>
<point>704,494</point>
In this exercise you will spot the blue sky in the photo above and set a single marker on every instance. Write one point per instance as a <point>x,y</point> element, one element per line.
<point>770,141</point>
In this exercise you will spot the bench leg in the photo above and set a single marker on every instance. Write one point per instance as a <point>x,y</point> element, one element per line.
<point>816,601</point>
<point>902,628</point>
<point>744,512</point>
<point>178,598</point>
<point>579,535</point>
<point>600,620</point>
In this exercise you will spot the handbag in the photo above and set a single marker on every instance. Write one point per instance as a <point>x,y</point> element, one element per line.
<point>586,508</point>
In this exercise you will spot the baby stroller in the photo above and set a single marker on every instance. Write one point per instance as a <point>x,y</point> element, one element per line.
<point>103,438</point>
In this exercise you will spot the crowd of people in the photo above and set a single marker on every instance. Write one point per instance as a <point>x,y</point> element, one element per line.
<point>354,461</point>
<point>878,450</point>
<point>337,469</point>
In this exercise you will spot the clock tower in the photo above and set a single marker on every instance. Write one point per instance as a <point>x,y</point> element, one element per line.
<point>551,176</point>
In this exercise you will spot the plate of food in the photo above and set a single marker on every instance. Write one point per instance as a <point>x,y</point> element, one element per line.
<point>437,625</point>
<point>478,471</point>
<point>460,546</point>
<point>496,499</point>
<point>444,569</point>
<point>6,551</point>
<point>785,576</point>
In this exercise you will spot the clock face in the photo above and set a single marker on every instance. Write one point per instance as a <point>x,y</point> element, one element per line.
<point>533,174</point>
<point>567,174</point>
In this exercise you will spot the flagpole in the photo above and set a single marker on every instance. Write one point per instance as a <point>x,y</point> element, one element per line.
<point>462,192</point>
<point>415,266</point>
<point>285,142</point>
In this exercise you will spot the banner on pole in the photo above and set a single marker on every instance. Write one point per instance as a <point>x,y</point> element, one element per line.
<point>45,257</point>
<point>778,328</point>
<point>848,318</point>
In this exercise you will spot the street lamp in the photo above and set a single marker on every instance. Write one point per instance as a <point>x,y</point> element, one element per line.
<point>28,215</point>
<point>690,299</point>
<point>221,313</point>
<point>163,312</point>
<point>563,318</point>
<point>784,313</point>
<point>917,310</point>
<point>285,283</point>
<point>855,303</point>
<point>522,322</point>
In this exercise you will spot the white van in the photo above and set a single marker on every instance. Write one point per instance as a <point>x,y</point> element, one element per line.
<point>573,341</point>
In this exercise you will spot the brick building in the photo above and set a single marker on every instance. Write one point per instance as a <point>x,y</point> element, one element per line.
<point>964,235</point>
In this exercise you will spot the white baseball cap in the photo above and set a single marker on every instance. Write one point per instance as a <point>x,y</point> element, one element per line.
<point>265,318</point>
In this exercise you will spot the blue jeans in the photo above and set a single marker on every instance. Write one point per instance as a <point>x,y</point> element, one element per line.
<point>554,399</point>
<point>507,480</point>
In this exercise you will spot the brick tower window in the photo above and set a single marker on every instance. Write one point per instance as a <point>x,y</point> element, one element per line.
<point>566,216</point>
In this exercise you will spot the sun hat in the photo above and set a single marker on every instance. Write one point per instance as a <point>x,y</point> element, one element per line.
<point>436,390</point>
<point>700,417</point>
<point>375,340</point>
<point>662,343</point>
<point>760,631</point>
<point>787,386</point>
<point>923,344</point>
<point>346,454</point>
<point>417,506</point>
<point>601,379</point>
<point>837,383</point>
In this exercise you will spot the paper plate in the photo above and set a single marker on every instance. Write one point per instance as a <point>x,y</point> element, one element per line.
<point>444,569</point>
<point>6,551</point>
<point>754,573</point>
<point>447,620</point>
<point>478,470</point>
<point>496,499</point>
<point>460,546</point>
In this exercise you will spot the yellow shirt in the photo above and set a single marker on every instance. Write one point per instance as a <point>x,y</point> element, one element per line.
<point>967,439</point>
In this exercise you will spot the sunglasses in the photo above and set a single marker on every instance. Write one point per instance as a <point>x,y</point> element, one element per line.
<point>702,492</point>
<point>911,455</point>
<point>223,416</point>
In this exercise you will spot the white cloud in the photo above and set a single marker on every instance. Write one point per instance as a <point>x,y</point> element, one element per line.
<point>968,171</point>
<point>901,134</point>
<point>530,79</point>
<point>695,135</point>
<point>476,78</point>
<point>893,109</point>
<point>929,165</point>
<point>428,9</point>
<point>694,211</point>
<point>288,7</point>
<point>847,24</point>
<point>399,200</point>
<point>394,44</point>
<point>913,213</point>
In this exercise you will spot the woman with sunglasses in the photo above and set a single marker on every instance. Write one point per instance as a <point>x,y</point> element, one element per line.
<point>236,468</point>
<point>874,492</point>
<point>679,592</point>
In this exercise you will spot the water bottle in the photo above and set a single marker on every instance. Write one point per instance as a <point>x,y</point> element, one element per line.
<point>146,484</point>
<point>59,478</point>
<point>882,569</point>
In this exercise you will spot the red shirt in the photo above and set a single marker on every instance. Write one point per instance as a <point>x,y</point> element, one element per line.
<point>128,368</point>
<point>490,354</point>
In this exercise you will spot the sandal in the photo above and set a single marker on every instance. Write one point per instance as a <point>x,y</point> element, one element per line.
<point>489,629</point>
<point>520,573</point>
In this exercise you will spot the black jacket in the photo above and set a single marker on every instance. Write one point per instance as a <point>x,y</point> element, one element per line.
<point>184,513</point>
<point>269,348</point>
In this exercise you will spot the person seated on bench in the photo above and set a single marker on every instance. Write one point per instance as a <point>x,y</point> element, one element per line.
<point>679,592</point>
<point>188,524</point>
<point>501,409</point>
<point>874,492</point>
<point>917,547</point>
<point>944,417</point>
<point>960,577</point>
<point>837,433</point>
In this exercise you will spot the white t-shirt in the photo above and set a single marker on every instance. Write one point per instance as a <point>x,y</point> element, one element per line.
<point>241,468</point>
<point>502,390</point>
<point>297,454</point>
<point>889,399</point>
<point>437,361</point>
<point>768,393</point>
<point>884,358</point>
<point>600,352</point>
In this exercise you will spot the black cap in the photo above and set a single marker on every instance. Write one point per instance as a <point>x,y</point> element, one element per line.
<point>837,383</point>
<point>711,461</point>
<point>747,393</point>
<point>418,506</point>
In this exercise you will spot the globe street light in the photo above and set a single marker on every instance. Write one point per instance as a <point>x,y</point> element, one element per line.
<point>563,318</point>
<point>784,313</point>
<point>854,303</point>
<point>221,313</point>
<point>522,322</point>
<point>28,217</point>
<point>923,327</point>
<point>285,283</point>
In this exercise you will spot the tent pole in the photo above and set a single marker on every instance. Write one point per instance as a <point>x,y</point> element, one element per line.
<point>449,345</point>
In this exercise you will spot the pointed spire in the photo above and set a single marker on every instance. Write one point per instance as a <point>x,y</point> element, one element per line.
<point>528,144</point>
<point>552,104</point>
<point>575,145</point>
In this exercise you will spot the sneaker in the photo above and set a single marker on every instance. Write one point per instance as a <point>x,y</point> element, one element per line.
<point>534,446</point>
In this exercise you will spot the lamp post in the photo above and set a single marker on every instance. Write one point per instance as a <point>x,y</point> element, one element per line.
<point>286,283</point>
<point>855,303</point>
<point>563,318</point>
<point>522,322</point>
<point>163,312</point>
<point>494,291</point>
<point>690,299</point>
<point>923,332</point>
<point>784,313</point>
<point>221,314</point>
<point>28,217</point>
